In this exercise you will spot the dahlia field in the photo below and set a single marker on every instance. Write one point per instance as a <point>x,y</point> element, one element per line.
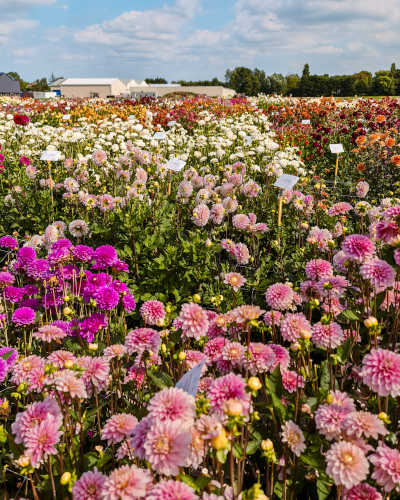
<point>173,326</point>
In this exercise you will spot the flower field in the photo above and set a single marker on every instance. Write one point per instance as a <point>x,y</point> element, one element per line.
<point>175,327</point>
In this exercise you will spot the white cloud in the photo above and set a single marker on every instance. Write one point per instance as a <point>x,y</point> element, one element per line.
<point>327,49</point>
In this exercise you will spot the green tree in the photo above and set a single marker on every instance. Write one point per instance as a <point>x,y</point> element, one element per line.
<point>243,80</point>
<point>276,83</point>
<point>156,80</point>
<point>39,85</point>
<point>306,87</point>
<point>15,76</point>
<point>292,82</point>
<point>384,85</point>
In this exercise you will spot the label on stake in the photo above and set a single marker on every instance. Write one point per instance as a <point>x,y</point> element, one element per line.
<point>336,148</point>
<point>159,136</point>
<point>306,122</point>
<point>50,155</point>
<point>190,381</point>
<point>175,164</point>
<point>286,181</point>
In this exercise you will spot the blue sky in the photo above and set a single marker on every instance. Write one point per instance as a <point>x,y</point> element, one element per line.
<point>196,39</point>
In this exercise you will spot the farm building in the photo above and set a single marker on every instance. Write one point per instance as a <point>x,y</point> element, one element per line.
<point>92,87</point>
<point>9,86</point>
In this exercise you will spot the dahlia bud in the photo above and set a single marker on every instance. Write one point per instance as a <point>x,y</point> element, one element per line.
<point>305,334</point>
<point>65,478</point>
<point>329,399</point>
<point>233,407</point>
<point>163,348</point>
<point>382,416</point>
<point>254,383</point>
<point>208,242</point>
<point>294,346</point>
<point>182,356</point>
<point>168,309</point>
<point>23,461</point>
<point>160,322</point>
<point>93,347</point>
<point>267,445</point>
<point>68,363</point>
<point>220,442</point>
<point>371,322</point>
<point>196,298</point>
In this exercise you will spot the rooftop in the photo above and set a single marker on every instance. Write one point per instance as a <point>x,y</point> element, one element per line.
<point>89,81</point>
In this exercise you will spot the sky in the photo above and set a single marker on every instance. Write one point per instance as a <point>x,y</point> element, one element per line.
<point>196,39</point>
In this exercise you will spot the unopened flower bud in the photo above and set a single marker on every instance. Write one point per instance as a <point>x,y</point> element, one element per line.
<point>65,478</point>
<point>305,334</point>
<point>382,416</point>
<point>23,461</point>
<point>329,398</point>
<point>196,298</point>
<point>160,322</point>
<point>182,356</point>
<point>220,442</point>
<point>67,311</point>
<point>93,347</point>
<point>254,383</point>
<point>232,407</point>
<point>68,363</point>
<point>371,322</point>
<point>267,445</point>
<point>294,346</point>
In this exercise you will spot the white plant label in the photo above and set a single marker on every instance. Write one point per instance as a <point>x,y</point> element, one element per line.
<point>131,117</point>
<point>286,181</point>
<point>306,122</point>
<point>171,123</point>
<point>175,164</point>
<point>66,117</point>
<point>190,381</point>
<point>67,108</point>
<point>50,155</point>
<point>159,136</point>
<point>248,139</point>
<point>336,148</point>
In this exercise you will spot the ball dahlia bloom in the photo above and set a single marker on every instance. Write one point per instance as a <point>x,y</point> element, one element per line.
<point>23,316</point>
<point>292,381</point>
<point>172,490</point>
<point>241,254</point>
<point>230,386</point>
<point>358,423</point>
<point>259,359</point>
<point>201,214</point>
<point>347,464</point>
<point>292,324</point>
<point>105,256</point>
<point>387,467</point>
<point>381,372</point>
<point>386,230</point>
<point>126,483</point>
<point>332,287</point>
<point>378,272</point>
<point>329,420</point>
<point>282,357</point>
<point>327,336</point>
<point>142,339</point>
<point>279,296</point>
<point>152,311</point>
<point>362,491</point>
<point>318,269</point>
<point>194,321</point>
<point>106,297</point>
<point>240,221</point>
<point>358,247</point>
<point>89,486</point>
<point>293,436</point>
<point>172,404</point>
<point>118,427</point>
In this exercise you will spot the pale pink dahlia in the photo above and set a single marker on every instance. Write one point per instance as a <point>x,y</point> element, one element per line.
<point>172,490</point>
<point>318,269</point>
<point>241,254</point>
<point>152,311</point>
<point>172,404</point>
<point>293,436</point>
<point>292,381</point>
<point>118,427</point>
<point>67,382</point>
<point>201,214</point>
<point>381,372</point>
<point>89,485</point>
<point>342,399</point>
<point>126,483</point>
<point>167,446</point>
<point>240,221</point>
<point>279,296</point>
<point>230,386</point>
<point>268,317</point>
<point>292,324</point>
<point>139,437</point>
<point>259,358</point>
<point>387,467</point>
<point>244,314</point>
<point>236,280</point>
<point>329,420</point>
<point>141,340</point>
<point>362,491</point>
<point>339,209</point>
<point>347,464</point>
<point>364,422</point>
<point>327,336</point>
<point>47,333</point>
<point>358,247</point>
<point>379,272</point>
<point>58,358</point>
<point>194,320</point>
<point>42,439</point>
<point>234,353</point>
<point>362,189</point>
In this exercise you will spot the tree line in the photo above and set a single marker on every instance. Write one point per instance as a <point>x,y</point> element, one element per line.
<point>39,85</point>
<point>253,82</point>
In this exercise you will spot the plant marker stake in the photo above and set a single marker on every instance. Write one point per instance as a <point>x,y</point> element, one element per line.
<point>280,211</point>
<point>336,170</point>
<point>169,185</point>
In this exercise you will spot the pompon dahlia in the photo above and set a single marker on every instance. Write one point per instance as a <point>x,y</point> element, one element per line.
<point>362,491</point>
<point>282,357</point>
<point>358,247</point>
<point>23,316</point>
<point>339,209</point>
<point>167,446</point>
<point>142,339</point>
<point>293,436</point>
<point>105,256</point>
<point>82,253</point>
<point>387,467</point>
<point>14,294</point>
<point>381,372</point>
<point>153,312</point>
<point>126,483</point>
<point>26,255</point>
<point>172,404</point>
<point>201,214</point>
<point>194,320</point>
<point>118,427</point>
<point>329,420</point>
<point>8,242</point>
<point>379,272</point>
<point>292,381</point>
<point>327,336</point>
<point>230,386</point>
<point>240,221</point>
<point>292,324</point>
<point>332,287</point>
<point>363,422</point>
<point>241,254</point>
<point>3,370</point>
<point>171,490</point>
<point>213,349</point>
<point>6,279</point>
<point>230,205</point>
<point>89,485</point>
<point>279,296</point>
<point>106,297</point>
<point>347,464</point>
<point>185,189</point>
<point>318,269</point>
<point>259,358</point>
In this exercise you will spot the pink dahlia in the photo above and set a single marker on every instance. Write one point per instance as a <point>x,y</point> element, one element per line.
<point>240,221</point>
<point>392,212</point>
<point>292,324</point>
<point>194,320</point>
<point>139,437</point>
<point>118,427</point>
<point>66,382</point>
<point>230,386</point>
<point>89,486</point>
<point>114,351</point>
<point>23,316</point>
<point>362,189</point>
<point>318,269</point>
<point>362,491</point>
<point>347,464</point>
<point>23,368</point>
<point>213,349</point>
<point>292,381</point>
<point>358,247</point>
<point>152,311</point>
<point>293,436</point>
<point>364,422</point>
<point>339,209</point>
<point>217,213</point>
<point>234,353</point>
<point>47,333</point>
<point>259,358</point>
<point>342,399</point>
<point>105,256</point>
<point>172,404</point>
<point>321,237</point>
<point>241,254</point>
<point>42,438</point>
<point>329,420</point>
<point>141,340</point>
<point>381,372</point>
<point>167,446</point>
<point>96,372</point>
<point>397,256</point>
<point>282,357</point>
<point>193,358</point>
<point>126,483</point>
<point>268,317</point>
<point>387,467</point>
<point>332,287</point>
<point>379,272</point>
<point>171,490</point>
<point>327,336</point>
<point>201,214</point>
<point>244,314</point>
<point>279,296</point>
<point>236,280</point>
<point>386,230</point>
<point>106,297</point>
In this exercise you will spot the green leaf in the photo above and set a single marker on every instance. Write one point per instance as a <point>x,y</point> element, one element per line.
<point>274,382</point>
<point>93,411</point>
<point>6,355</point>
<point>323,488</point>
<point>237,450</point>
<point>350,315</point>
<point>325,377</point>
<point>161,379</point>
<point>252,447</point>
<point>221,456</point>
<point>202,481</point>
<point>279,409</point>
<point>187,480</point>
<point>175,336</point>
<point>316,461</point>
<point>90,460</point>
<point>343,350</point>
